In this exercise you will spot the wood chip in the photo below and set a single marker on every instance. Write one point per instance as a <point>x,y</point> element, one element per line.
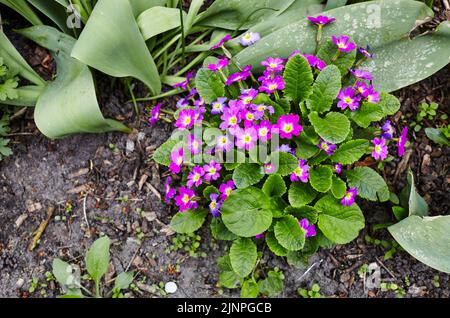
<point>153,190</point>
<point>20,220</point>
<point>40,230</point>
<point>149,216</point>
<point>33,206</point>
<point>142,181</point>
<point>79,173</point>
<point>79,189</point>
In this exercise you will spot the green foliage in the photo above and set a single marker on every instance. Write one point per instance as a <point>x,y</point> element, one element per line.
<point>247,174</point>
<point>299,78</point>
<point>313,293</point>
<point>188,221</point>
<point>334,128</point>
<point>325,90</point>
<point>5,151</point>
<point>370,184</point>
<point>209,85</point>
<point>243,256</point>
<point>97,263</point>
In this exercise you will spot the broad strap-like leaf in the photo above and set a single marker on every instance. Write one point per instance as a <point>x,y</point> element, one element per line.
<point>157,20</point>
<point>112,43</point>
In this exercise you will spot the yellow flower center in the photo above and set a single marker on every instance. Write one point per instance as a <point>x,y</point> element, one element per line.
<point>273,65</point>
<point>247,139</point>
<point>348,100</point>
<point>298,171</point>
<point>179,161</point>
<point>272,87</point>
<point>377,148</point>
<point>212,170</point>
<point>196,177</point>
<point>185,198</point>
<point>187,120</point>
<point>213,205</point>
<point>233,120</point>
<point>263,132</point>
<point>288,128</point>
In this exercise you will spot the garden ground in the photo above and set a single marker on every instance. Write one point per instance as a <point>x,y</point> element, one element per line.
<point>106,184</point>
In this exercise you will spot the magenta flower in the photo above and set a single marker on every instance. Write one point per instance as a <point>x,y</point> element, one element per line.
<point>338,168</point>
<point>288,126</point>
<point>269,168</point>
<point>192,93</point>
<point>380,150</point>
<point>215,205</point>
<point>349,197</point>
<point>212,171</point>
<point>314,61</point>
<point>195,177</point>
<point>223,143</point>
<point>362,88</point>
<point>156,114</point>
<point>220,65</point>
<point>262,108</point>
<point>321,20</point>
<point>177,159</point>
<point>270,85</point>
<point>402,141</point>
<point>343,43</point>
<point>239,76</point>
<point>259,236</point>
<point>218,106</point>
<point>184,200</point>
<point>246,138</point>
<point>327,147</point>
<point>226,189</point>
<point>230,118</point>
<point>365,75</point>
<point>273,64</point>
<point>249,117</point>
<point>185,84</point>
<point>194,144</point>
<point>186,119</point>
<point>388,130</point>
<point>222,41</point>
<point>264,130</point>
<point>348,98</point>
<point>248,95</point>
<point>284,148</point>
<point>373,96</point>
<point>301,173</point>
<point>249,38</point>
<point>183,102</point>
<point>310,229</point>
<point>170,192</point>
<point>365,52</point>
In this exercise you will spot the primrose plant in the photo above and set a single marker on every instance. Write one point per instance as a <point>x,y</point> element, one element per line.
<point>279,159</point>
<point>97,263</point>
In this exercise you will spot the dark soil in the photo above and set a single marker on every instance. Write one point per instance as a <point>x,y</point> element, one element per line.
<point>114,189</point>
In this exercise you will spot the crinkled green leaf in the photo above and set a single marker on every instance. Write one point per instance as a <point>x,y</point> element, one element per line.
<point>350,151</point>
<point>220,231</point>
<point>8,89</point>
<point>339,223</point>
<point>209,85</point>
<point>162,154</point>
<point>338,187</point>
<point>272,285</point>
<point>249,289</point>
<point>301,194</point>
<point>289,233</point>
<point>243,255</point>
<point>274,245</point>
<point>274,186</point>
<point>247,212</point>
<point>298,78</point>
<point>303,212</point>
<point>325,90</point>
<point>370,184</point>
<point>344,62</point>
<point>284,163</point>
<point>227,277</point>
<point>247,174</point>
<point>333,128</point>
<point>320,178</point>
<point>188,221</point>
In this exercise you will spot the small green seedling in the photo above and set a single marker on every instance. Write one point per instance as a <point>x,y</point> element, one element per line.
<point>97,262</point>
<point>313,293</point>
<point>399,292</point>
<point>426,111</point>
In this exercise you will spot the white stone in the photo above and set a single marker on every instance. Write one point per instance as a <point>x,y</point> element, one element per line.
<point>171,287</point>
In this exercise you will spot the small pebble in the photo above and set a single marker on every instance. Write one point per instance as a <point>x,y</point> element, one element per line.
<point>171,287</point>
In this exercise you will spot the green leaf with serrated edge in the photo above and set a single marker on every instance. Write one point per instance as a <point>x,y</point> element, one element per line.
<point>278,206</point>
<point>305,149</point>
<point>427,239</point>
<point>368,182</point>
<point>338,188</point>
<point>351,151</point>
<point>304,212</point>
<point>188,221</point>
<point>289,233</point>
<point>249,289</point>
<point>318,159</point>
<point>247,212</point>
<point>97,258</point>
<point>274,186</point>
<point>366,114</point>
<point>334,128</point>
<point>162,154</point>
<point>437,136</point>
<point>325,89</point>
<point>301,194</point>
<point>272,285</point>
<point>274,246</point>
<point>247,174</point>
<point>220,232</point>
<point>322,240</point>
<point>298,77</point>
<point>320,178</point>
<point>243,255</point>
<point>227,277</point>
<point>230,166</point>
<point>411,200</point>
<point>209,190</point>
<point>209,85</point>
<point>389,104</point>
<point>339,223</point>
<point>297,259</point>
<point>344,61</point>
<point>284,162</point>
